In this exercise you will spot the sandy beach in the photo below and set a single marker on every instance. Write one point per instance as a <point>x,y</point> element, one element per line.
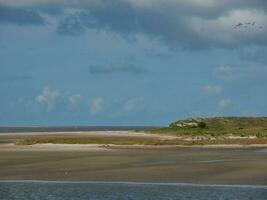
<point>110,147</point>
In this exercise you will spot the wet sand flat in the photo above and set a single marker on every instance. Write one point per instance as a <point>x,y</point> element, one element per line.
<point>189,165</point>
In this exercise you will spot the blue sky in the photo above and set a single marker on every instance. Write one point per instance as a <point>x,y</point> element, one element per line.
<point>131,62</point>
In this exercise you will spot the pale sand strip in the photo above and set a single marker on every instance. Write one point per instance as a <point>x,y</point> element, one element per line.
<point>93,134</point>
<point>110,147</point>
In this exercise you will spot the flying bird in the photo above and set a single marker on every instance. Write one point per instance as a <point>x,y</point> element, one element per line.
<point>247,25</point>
<point>238,25</point>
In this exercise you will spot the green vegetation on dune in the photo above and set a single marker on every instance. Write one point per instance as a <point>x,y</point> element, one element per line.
<point>218,126</point>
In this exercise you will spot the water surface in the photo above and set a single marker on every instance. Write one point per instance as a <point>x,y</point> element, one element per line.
<point>127,191</point>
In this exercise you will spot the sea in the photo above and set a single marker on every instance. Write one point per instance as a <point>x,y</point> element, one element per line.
<point>45,190</point>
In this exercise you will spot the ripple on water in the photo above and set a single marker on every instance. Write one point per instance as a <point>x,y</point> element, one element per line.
<point>263,150</point>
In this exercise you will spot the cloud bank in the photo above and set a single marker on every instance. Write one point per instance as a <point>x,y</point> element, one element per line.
<point>178,23</point>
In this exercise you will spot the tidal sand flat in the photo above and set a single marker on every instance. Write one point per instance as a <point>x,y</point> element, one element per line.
<point>245,166</point>
<point>127,191</point>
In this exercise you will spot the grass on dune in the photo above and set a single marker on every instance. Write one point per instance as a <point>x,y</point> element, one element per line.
<point>212,132</point>
<point>219,127</point>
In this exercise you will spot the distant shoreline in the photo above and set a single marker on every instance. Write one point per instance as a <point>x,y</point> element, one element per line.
<point>105,140</point>
<point>26,129</point>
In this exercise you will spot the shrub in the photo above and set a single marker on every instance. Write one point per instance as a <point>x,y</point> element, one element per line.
<point>202,125</point>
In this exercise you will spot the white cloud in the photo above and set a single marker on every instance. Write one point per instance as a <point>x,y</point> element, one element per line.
<point>25,3</point>
<point>74,100</point>
<point>227,72</point>
<point>245,72</point>
<point>48,97</point>
<point>133,104</point>
<point>212,89</point>
<point>193,4</point>
<point>225,69</point>
<point>97,105</point>
<point>224,103</point>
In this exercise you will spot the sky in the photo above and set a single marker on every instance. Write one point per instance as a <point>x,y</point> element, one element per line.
<point>131,62</point>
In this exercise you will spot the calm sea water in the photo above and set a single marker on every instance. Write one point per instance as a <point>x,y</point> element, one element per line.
<point>125,191</point>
